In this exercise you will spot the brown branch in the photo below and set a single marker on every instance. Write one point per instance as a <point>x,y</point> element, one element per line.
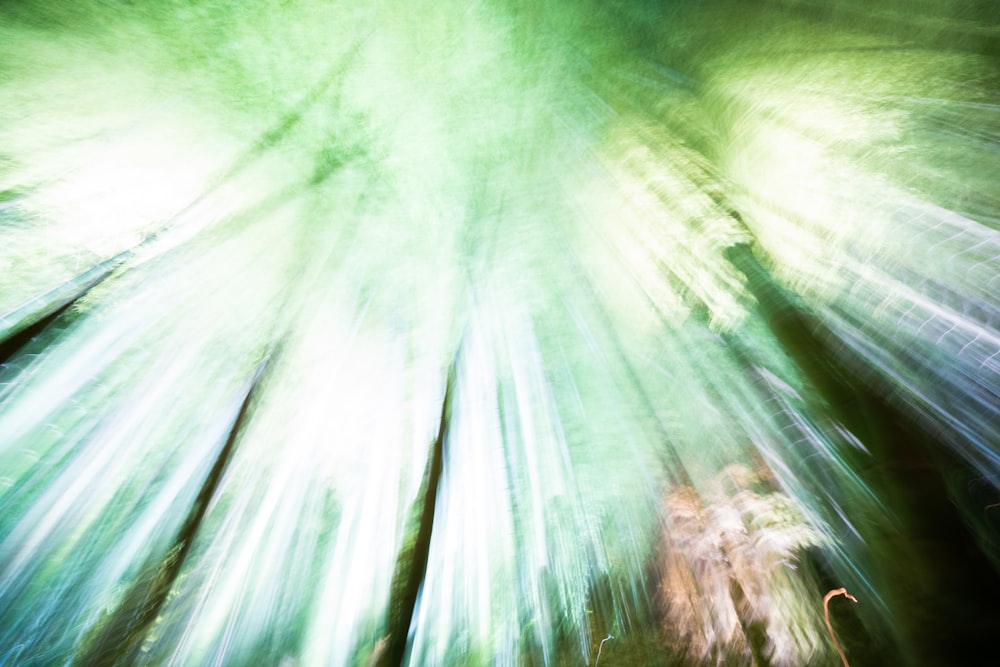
<point>826,613</point>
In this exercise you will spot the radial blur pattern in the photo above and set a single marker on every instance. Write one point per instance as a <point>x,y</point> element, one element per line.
<point>499,332</point>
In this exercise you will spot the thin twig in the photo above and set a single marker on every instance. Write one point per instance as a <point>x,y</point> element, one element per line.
<point>601,648</point>
<point>826,613</point>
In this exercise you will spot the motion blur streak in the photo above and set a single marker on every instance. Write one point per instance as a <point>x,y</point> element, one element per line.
<point>499,332</point>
